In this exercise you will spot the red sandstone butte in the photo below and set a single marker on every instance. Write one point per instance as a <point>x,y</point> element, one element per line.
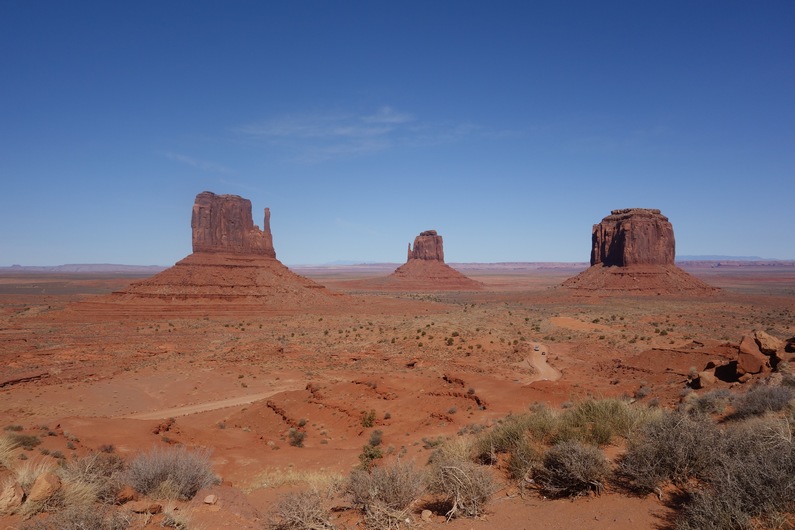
<point>633,236</point>
<point>428,246</point>
<point>633,251</point>
<point>223,223</point>
<point>233,265</point>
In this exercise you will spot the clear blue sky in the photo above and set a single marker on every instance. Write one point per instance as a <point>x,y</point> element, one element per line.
<point>509,127</point>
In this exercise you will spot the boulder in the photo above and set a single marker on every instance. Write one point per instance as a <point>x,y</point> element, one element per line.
<point>427,246</point>
<point>768,344</point>
<point>45,486</point>
<point>633,236</point>
<point>11,495</point>
<point>750,359</point>
<point>223,223</point>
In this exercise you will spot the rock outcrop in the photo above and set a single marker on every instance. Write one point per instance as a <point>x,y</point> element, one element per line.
<point>223,223</point>
<point>633,236</point>
<point>428,246</point>
<point>632,252</point>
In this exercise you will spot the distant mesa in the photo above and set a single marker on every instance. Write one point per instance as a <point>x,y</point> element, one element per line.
<point>424,270</point>
<point>233,264</point>
<point>633,250</point>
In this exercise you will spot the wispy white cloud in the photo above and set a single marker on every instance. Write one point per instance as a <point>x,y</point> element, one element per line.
<point>204,165</point>
<point>313,138</point>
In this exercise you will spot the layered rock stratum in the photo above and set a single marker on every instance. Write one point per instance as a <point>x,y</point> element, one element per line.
<point>633,250</point>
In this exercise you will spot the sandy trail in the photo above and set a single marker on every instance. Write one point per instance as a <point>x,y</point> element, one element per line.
<point>544,371</point>
<point>203,407</point>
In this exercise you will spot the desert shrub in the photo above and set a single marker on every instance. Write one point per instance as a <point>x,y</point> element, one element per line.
<point>465,486</point>
<point>762,399</point>
<point>752,478</point>
<point>376,437</point>
<point>672,447</point>
<point>712,402</point>
<point>384,495</point>
<point>369,455</point>
<point>368,418</point>
<point>524,458</point>
<point>571,469</point>
<point>26,441</point>
<point>513,432</point>
<point>80,518</point>
<point>173,472</point>
<point>303,510</point>
<point>296,437</point>
<point>102,471</point>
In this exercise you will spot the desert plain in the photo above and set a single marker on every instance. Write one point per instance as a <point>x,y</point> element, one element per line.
<point>426,366</point>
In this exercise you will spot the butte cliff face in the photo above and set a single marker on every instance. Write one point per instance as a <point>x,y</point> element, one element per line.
<point>223,223</point>
<point>633,250</point>
<point>428,246</point>
<point>633,236</point>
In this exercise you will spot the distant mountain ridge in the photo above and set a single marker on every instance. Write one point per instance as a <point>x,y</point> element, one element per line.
<point>86,268</point>
<point>715,257</point>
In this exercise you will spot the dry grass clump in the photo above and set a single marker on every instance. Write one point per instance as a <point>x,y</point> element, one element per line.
<point>513,432</point>
<point>102,472</point>
<point>171,473</point>
<point>303,510</point>
<point>464,485</point>
<point>7,446</point>
<point>571,469</point>
<point>598,421</point>
<point>384,494</point>
<point>674,447</point>
<point>80,518</point>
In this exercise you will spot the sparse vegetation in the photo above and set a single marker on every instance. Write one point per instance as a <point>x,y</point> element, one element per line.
<point>384,495</point>
<point>303,510</point>
<point>170,473</point>
<point>571,469</point>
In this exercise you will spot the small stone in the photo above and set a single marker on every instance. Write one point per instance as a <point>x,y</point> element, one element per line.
<point>210,499</point>
<point>426,515</point>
